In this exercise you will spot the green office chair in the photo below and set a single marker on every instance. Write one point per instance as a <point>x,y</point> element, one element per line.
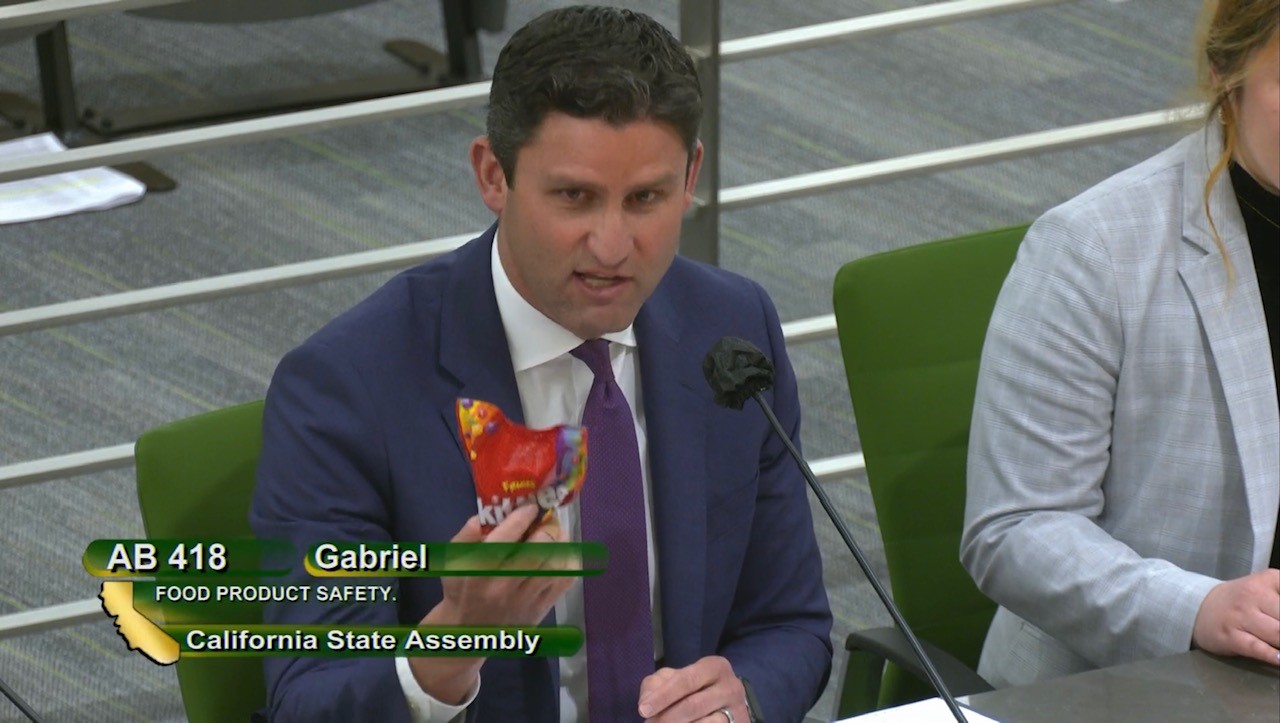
<point>911,325</point>
<point>195,480</point>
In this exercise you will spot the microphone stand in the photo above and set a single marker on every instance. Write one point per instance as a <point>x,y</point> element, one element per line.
<point>19,702</point>
<point>930,671</point>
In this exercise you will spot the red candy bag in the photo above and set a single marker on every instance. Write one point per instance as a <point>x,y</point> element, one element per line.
<point>513,465</point>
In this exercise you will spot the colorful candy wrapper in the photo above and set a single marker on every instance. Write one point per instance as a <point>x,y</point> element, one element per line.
<point>513,465</point>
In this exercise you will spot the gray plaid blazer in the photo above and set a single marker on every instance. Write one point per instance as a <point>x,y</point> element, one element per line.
<point>1125,450</point>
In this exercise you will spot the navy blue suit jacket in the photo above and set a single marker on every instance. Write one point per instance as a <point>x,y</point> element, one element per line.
<point>360,442</point>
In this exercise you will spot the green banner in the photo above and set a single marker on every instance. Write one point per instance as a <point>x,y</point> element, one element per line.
<point>437,559</point>
<point>187,558</point>
<point>361,641</point>
<point>175,560</point>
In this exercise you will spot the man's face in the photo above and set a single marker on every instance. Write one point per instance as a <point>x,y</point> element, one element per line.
<point>591,221</point>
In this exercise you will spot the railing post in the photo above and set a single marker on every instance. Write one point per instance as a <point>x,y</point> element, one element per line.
<point>700,32</point>
<point>57,90</point>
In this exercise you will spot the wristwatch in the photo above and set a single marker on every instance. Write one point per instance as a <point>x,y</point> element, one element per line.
<point>753,707</point>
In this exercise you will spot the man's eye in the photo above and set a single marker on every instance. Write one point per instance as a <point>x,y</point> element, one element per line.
<point>645,198</point>
<point>573,195</point>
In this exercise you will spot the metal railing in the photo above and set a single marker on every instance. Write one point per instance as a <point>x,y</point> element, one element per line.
<point>51,617</point>
<point>149,147</point>
<point>39,12</point>
<point>803,185</point>
<point>217,287</point>
<point>245,131</point>
<point>892,169</point>
<point>120,456</point>
<point>893,21</point>
<point>66,465</point>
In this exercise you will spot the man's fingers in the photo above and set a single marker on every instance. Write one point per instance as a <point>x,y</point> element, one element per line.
<point>470,532</point>
<point>695,706</point>
<point>515,524</point>
<point>666,696</point>
<point>546,590</point>
<point>563,558</point>
<point>555,589</point>
<point>653,683</point>
<point>536,555</point>
<point>545,532</point>
<point>655,679</point>
<point>675,688</point>
<point>740,714</point>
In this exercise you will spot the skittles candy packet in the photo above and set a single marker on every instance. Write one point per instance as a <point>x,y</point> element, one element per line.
<point>513,465</point>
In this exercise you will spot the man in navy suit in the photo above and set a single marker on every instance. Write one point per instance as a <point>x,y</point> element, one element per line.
<point>589,163</point>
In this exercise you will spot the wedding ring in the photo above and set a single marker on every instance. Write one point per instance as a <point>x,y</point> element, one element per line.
<point>728,715</point>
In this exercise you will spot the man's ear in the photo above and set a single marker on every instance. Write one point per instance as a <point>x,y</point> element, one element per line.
<point>691,177</point>
<point>490,178</point>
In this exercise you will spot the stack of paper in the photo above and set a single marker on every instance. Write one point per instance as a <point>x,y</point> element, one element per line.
<point>61,194</point>
<point>932,710</point>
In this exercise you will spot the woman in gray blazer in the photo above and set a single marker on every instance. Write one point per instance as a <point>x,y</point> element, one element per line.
<point>1124,463</point>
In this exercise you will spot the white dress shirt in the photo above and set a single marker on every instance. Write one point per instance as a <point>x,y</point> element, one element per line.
<point>553,387</point>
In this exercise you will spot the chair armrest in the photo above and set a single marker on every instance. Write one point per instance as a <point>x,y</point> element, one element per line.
<point>890,644</point>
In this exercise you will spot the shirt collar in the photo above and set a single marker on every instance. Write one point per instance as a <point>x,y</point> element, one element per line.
<point>532,338</point>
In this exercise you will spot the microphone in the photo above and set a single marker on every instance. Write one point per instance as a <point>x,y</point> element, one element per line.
<point>736,371</point>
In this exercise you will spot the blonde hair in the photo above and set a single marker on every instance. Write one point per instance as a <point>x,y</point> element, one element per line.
<point>1230,33</point>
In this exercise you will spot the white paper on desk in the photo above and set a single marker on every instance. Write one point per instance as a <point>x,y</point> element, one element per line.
<point>60,194</point>
<point>933,710</point>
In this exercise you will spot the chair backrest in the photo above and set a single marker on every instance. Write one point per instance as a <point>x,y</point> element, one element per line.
<point>911,325</point>
<point>195,480</point>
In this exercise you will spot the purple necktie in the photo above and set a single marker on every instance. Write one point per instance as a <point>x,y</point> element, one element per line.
<point>619,623</point>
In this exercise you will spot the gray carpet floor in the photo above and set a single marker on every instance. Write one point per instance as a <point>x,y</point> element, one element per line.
<point>381,184</point>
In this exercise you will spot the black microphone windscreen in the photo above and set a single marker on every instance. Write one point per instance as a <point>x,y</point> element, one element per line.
<point>736,369</point>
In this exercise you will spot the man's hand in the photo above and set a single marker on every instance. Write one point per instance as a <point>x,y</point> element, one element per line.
<point>1242,617</point>
<point>502,600</point>
<point>488,601</point>
<point>694,693</point>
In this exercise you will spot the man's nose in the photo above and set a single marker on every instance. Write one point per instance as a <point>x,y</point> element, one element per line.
<point>612,238</point>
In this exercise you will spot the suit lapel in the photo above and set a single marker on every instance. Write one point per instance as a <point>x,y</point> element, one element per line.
<point>475,357</point>
<point>1233,321</point>
<point>473,345</point>
<point>675,425</point>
